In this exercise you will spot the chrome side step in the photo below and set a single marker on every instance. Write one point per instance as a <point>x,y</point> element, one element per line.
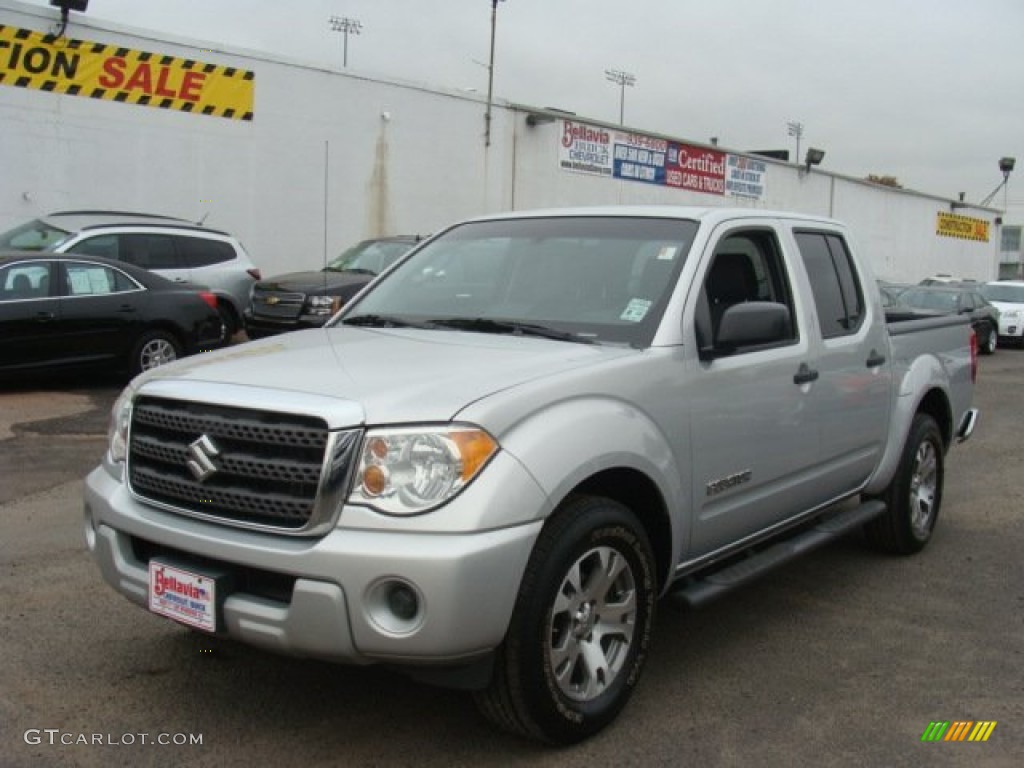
<point>704,588</point>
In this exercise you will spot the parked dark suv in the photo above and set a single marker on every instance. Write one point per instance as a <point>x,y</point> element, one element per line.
<point>173,248</point>
<point>308,299</point>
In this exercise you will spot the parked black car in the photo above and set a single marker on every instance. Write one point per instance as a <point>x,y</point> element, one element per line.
<point>63,311</point>
<point>962,299</point>
<point>173,248</point>
<point>308,299</point>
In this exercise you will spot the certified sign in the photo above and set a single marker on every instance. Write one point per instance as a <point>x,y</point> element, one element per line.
<point>184,596</point>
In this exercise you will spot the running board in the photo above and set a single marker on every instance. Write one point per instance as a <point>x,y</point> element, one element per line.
<point>706,588</point>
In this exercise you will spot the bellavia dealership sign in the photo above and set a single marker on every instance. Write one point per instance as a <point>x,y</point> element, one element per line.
<point>80,68</point>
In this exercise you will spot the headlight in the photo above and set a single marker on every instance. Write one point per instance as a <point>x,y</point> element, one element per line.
<point>323,305</point>
<point>120,419</point>
<point>412,470</point>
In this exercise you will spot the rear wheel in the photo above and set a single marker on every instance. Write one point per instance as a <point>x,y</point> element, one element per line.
<point>914,496</point>
<point>152,349</point>
<point>229,318</point>
<point>580,631</point>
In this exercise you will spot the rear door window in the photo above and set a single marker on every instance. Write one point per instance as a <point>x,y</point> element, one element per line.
<point>96,280</point>
<point>837,295</point>
<point>149,251</point>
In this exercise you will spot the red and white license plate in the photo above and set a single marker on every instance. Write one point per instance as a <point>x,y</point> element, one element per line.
<point>182,595</point>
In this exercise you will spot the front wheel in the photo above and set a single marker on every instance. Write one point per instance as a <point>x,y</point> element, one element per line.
<point>914,496</point>
<point>580,631</point>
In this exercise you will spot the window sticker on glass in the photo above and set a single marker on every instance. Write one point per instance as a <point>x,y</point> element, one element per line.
<point>667,252</point>
<point>636,310</point>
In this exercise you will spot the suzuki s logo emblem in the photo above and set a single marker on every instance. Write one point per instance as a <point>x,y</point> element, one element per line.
<point>201,455</point>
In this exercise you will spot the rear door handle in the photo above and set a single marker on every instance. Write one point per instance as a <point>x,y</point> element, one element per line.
<point>805,375</point>
<point>45,317</point>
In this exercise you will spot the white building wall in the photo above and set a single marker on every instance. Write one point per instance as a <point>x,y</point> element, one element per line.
<point>333,157</point>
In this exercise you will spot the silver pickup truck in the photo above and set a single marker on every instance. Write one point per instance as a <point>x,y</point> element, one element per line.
<point>495,463</point>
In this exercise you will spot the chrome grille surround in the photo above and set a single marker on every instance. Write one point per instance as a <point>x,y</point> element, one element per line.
<point>273,471</point>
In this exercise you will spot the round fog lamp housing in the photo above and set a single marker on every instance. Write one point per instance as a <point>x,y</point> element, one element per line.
<point>395,606</point>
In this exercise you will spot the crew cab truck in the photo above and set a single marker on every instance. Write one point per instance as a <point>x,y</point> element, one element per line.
<point>495,463</point>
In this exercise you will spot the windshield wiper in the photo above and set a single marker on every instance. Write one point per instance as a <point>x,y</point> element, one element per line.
<point>353,270</point>
<point>513,327</point>
<point>384,321</point>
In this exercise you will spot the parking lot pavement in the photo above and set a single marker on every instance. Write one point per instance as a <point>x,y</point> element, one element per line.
<point>49,436</point>
<point>842,658</point>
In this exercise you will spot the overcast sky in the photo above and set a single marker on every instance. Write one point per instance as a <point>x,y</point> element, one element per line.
<point>928,91</point>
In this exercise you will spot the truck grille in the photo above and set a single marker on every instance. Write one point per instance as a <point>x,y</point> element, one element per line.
<point>239,466</point>
<point>277,304</point>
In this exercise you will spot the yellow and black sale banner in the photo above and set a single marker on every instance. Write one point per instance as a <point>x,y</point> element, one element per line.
<point>963,227</point>
<point>95,70</point>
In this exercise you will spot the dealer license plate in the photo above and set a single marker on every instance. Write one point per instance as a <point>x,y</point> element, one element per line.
<point>182,595</point>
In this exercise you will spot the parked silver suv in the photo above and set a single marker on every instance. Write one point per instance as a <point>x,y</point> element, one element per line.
<point>173,248</point>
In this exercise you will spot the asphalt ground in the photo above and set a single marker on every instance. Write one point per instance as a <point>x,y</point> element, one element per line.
<point>843,658</point>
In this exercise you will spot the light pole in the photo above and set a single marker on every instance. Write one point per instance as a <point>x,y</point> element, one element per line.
<point>346,26</point>
<point>797,130</point>
<point>490,74</point>
<point>1006,165</point>
<point>622,79</point>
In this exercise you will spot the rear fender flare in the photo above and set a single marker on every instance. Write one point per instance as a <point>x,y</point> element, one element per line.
<point>923,387</point>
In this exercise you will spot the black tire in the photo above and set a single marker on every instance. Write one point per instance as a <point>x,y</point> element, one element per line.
<point>232,323</point>
<point>543,686</point>
<point>991,341</point>
<point>152,349</point>
<point>914,496</point>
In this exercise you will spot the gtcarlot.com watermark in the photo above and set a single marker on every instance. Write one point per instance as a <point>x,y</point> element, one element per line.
<point>55,737</point>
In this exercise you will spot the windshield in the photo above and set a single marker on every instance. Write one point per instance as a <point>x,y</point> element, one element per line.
<point>573,278</point>
<point>35,236</point>
<point>371,256</point>
<point>943,301</point>
<point>1011,294</point>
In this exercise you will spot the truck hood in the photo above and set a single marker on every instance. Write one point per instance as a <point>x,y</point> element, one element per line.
<point>320,283</point>
<point>1006,307</point>
<point>382,375</point>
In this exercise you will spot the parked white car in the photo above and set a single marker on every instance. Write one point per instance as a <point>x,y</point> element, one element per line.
<point>1008,297</point>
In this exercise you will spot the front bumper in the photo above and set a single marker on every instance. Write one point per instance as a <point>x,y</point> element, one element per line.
<point>333,604</point>
<point>1011,328</point>
<point>258,326</point>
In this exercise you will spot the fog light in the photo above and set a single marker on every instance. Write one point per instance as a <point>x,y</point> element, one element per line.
<point>403,602</point>
<point>395,606</point>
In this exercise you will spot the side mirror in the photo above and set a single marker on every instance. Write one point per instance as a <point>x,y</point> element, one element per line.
<point>749,324</point>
